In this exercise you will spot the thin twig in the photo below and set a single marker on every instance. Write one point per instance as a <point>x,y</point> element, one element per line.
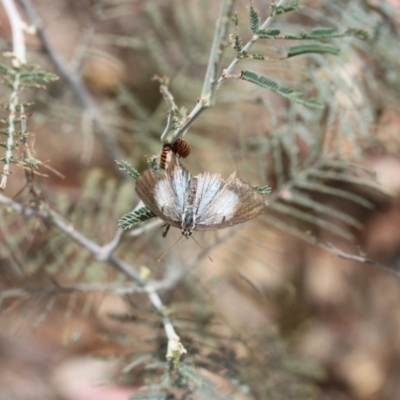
<point>18,39</point>
<point>175,275</point>
<point>228,71</point>
<point>86,39</point>
<point>361,258</point>
<point>217,51</point>
<point>114,289</point>
<point>207,98</point>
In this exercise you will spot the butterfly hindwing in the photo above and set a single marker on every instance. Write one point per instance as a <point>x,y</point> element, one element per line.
<point>235,202</point>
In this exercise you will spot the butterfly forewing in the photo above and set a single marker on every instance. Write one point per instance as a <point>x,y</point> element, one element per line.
<point>163,191</point>
<point>180,183</point>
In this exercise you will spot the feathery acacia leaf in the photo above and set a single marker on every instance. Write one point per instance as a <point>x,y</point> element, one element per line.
<point>313,48</point>
<point>38,76</point>
<point>288,227</point>
<point>125,166</point>
<point>289,94</point>
<point>254,20</point>
<point>305,201</point>
<point>262,189</point>
<point>312,219</point>
<point>269,33</point>
<point>278,10</point>
<point>135,217</point>
<point>344,194</point>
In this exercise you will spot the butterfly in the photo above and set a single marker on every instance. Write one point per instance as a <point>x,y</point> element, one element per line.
<point>201,202</point>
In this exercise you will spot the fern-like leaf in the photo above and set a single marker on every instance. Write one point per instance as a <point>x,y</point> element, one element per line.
<point>254,20</point>
<point>305,201</point>
<point>332,191</point>
<point>307,217</point>
<point>269,33</point>
<point>135,217</point>
<point>35,164</point>
<point>289,94</point>
<point>262,189</point>
<point>313,48</point>
<point>278,10</point>
<point>323,32</point>
<point>124,166</point>
<point>358,33</point>
<point>38,76</point>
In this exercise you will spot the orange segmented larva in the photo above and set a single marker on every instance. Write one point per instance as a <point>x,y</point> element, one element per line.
<point>181,147</point>
<point>164,154</point>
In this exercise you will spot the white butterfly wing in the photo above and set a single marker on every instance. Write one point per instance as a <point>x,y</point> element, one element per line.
<point>221,204</point>
<point>163,191</point>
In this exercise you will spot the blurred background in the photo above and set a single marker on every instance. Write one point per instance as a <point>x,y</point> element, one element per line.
<point>267,309</point>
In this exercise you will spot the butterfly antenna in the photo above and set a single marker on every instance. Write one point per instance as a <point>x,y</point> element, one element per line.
<point>198,244</point>
<point>169,248</point>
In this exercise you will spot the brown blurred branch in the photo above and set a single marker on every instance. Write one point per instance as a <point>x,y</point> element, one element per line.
<point>361,258</point>
<point>75,82</point>
<point>116,289</point>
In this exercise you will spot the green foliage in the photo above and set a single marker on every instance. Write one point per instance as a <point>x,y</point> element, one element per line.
<point>313,48</point>
<point>254,20</point>
<point>257,57</point>
<point>278,10</point>
<point>235,18</point>
<point>3,69</point>
<point>32,163</point>
<point>237,43</point>
<point>358,33</point>
<point>135,217</point>
<point>327,33</point>
<point>269,33</point>
<point>262,189</point>
<point>125,166</point>
<point>36,76</point>
<point>27,77</point>
<point>269,84</point>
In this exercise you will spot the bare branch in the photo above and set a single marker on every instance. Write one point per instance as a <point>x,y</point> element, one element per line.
<point>76,83</point>
<point>361,258</point>
<point>18,39</point>
<point>207,98</point>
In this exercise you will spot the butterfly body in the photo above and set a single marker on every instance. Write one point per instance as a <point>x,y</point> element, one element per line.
<point>201,202</point>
